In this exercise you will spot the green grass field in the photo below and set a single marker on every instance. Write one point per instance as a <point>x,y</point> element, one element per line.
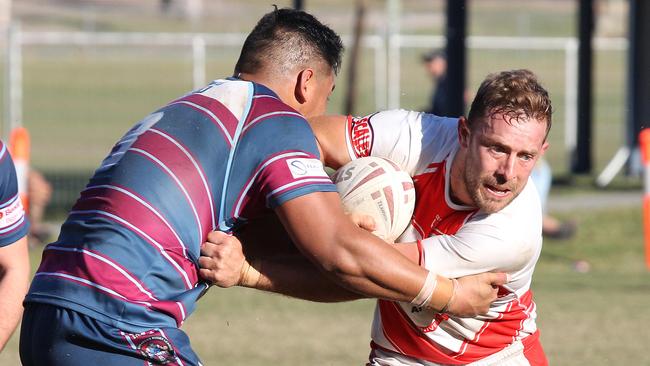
<point>595,318</point>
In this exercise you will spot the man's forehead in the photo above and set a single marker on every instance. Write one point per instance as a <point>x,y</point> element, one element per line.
<point>508,116</point>
<point>498,126</point>
<point>515,119</point>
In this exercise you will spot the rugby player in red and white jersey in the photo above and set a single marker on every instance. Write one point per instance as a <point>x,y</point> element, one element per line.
<point>476,211</point>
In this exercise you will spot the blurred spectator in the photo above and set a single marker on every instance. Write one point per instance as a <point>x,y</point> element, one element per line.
<point>551,227</point>
<point>165,5</point>
<point>435,63</point>
<point>40,193</point>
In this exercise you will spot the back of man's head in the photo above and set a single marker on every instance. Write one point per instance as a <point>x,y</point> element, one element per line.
<point>516,94</point>
<point>285,39</point>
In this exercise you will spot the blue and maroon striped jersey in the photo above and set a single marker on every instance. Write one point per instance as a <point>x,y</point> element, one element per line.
<point>13,224</point>
<point>128,252</point>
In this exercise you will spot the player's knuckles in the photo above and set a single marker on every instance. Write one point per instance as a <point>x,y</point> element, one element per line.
<point>217,237</point>
<point>206,275</point>
<point>222,256</point>
<point>208,249</point>
<point>206,263</point>
<point>226,250</point>
<point>224,241</point>
<point>497,279</point>
<point>229,240</point>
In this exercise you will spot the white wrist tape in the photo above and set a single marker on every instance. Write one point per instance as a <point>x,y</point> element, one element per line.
<point>426,291</point>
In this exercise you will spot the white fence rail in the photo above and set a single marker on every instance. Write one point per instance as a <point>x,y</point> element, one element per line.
<point>568,45</point>
<point>197,42</point>
<point>387,59</point>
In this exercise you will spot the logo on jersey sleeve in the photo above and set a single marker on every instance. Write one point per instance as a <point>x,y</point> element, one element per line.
<point>303,167</point>
<point>360,136</point>
<point>11,214</point>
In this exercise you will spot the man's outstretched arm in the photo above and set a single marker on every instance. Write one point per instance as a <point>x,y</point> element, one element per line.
<point>354,259</point>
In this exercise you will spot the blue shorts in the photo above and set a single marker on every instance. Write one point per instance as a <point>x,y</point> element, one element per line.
<point>55,336</point>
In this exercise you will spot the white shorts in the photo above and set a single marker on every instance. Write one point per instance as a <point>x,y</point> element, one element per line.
<point>512,355</point>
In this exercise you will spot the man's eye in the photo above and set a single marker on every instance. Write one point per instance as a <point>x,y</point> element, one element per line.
<point>497,149</point>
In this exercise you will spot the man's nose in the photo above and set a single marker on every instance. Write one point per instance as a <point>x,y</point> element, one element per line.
<point>506,169</point>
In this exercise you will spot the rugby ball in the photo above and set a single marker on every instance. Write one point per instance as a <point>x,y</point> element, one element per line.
<point>379,188</point>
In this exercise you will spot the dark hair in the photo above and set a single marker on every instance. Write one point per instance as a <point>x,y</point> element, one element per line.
<point>288,38</point>
<point>514,93</point>
<point>434,54</point>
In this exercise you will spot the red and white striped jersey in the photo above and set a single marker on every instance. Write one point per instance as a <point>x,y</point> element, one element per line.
<point>455,241</point>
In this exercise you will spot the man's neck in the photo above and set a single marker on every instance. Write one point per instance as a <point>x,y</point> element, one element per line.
<point>278,85</point>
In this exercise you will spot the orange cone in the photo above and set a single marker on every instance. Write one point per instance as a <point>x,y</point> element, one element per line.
<point>19,148</point>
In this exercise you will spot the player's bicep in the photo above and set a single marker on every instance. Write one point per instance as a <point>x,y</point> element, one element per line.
<point>314,221</point>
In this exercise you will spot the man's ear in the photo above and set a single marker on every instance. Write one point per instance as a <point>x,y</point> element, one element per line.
<point>463,132</point>
<point>544,147</point>
<point>303,82</point>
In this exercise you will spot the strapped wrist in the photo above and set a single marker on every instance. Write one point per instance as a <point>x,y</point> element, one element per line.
<point>251,273</point>
<point>443,295</point>
<point>427,290</point>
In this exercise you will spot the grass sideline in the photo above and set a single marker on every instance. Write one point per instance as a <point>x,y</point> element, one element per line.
<point>593,318</point>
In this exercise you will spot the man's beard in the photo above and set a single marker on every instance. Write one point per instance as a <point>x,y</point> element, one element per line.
<point>476,187</point>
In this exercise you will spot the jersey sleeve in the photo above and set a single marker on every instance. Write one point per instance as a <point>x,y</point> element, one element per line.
<point>13,223</point>
<point>294,171</point>
<point>479,246</point>
<point>408,138</point>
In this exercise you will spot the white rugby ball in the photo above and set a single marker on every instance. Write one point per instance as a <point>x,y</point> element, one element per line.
<point>379,188</point>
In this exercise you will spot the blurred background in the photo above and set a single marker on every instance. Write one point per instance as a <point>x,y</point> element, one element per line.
<point>78,73</point>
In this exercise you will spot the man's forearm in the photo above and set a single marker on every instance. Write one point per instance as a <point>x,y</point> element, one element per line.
<point>12,292</point>
<point>222,263</point>
<point>14,279</point>
<point>294,276</point>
